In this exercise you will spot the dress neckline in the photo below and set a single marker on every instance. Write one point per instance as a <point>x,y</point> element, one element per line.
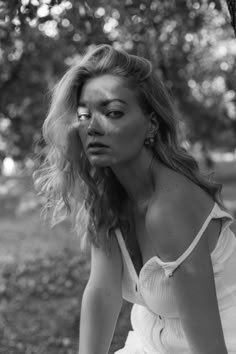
<point>137,276</point>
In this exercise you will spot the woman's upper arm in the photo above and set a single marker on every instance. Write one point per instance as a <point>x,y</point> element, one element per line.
<point>192,282</point>
<point>194,285</point>
<point>106,270</point>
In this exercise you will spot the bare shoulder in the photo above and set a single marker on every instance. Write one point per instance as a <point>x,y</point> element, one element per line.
<point>173,222</point>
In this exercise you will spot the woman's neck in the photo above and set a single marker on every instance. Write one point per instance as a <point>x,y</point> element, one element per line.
<point>139,177</point>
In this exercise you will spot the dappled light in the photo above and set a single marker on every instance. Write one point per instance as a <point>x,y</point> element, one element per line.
<point>192,47</point>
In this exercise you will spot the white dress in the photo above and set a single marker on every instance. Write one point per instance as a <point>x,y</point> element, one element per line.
<point>156,325</point>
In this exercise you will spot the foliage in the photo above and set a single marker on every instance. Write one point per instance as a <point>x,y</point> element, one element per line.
<point>190,43</point>
<point>40,306</point>
<point>42,278</point>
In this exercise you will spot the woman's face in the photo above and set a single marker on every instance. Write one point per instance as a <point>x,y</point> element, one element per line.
<point>108,113</point>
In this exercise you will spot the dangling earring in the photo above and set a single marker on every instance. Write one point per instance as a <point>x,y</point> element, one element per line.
<point>149,141</point>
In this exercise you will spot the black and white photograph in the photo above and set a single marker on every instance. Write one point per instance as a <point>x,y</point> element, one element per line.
<point>118,177</point>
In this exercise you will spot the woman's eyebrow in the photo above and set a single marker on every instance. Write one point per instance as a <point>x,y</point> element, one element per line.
<point>103,102</point>
<point>106,102</point>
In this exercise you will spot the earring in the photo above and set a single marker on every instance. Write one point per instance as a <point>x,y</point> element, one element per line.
<point>149,141</point>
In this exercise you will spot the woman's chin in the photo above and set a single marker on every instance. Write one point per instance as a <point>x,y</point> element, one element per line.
<point>100,161</point>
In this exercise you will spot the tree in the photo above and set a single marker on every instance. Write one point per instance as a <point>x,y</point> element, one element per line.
<point>232,10</point>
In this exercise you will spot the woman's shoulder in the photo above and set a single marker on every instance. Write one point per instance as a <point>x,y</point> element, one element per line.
<point>178,192</point>
<point>178,215</point>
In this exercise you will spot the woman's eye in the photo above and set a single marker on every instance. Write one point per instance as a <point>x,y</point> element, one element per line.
<point>83,116</point>
<point>115,114</point>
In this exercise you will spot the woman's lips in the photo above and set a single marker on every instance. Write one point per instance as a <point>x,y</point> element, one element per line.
<point>96,145</point>
<point>96,148</point>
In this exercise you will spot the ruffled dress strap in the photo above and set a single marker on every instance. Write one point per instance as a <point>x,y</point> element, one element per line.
<point>170,267</point>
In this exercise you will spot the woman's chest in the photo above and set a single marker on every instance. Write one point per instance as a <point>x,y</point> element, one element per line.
<point>142,238</point>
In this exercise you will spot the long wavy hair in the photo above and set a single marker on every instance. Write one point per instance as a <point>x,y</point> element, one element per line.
<point>93,195</point>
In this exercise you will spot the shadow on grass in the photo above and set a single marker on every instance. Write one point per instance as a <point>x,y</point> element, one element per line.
<point>40,306</point>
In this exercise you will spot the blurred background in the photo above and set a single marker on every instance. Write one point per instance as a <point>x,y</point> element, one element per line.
<point>192,46</point>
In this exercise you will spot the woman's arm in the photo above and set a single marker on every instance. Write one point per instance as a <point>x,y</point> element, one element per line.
<point>192,283</point>
<point>102,301</point>
<point>194,287</point>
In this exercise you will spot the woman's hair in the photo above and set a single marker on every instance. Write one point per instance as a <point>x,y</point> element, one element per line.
<point>93,195</point>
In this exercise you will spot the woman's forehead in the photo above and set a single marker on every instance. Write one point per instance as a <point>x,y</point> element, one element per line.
<point>104,89</point>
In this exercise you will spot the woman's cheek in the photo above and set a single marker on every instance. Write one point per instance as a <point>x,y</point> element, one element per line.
<point>74,140</point>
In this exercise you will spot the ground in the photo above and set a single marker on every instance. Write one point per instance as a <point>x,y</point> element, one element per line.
<point>43,274</point>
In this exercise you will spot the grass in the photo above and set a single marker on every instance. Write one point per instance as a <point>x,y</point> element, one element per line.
<point>43,274</point>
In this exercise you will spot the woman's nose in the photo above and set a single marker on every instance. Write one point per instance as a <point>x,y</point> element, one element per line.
<point>95,127</point>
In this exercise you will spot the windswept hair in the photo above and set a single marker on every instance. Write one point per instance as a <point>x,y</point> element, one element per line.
<point>93,195</point>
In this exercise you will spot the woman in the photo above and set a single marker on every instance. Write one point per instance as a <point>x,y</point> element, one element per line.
<point>158,230</point>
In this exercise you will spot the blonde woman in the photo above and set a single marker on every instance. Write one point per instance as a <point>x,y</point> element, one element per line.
<point>158,230</point>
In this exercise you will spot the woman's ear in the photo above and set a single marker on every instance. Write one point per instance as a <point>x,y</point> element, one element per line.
<point>153,124</point>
